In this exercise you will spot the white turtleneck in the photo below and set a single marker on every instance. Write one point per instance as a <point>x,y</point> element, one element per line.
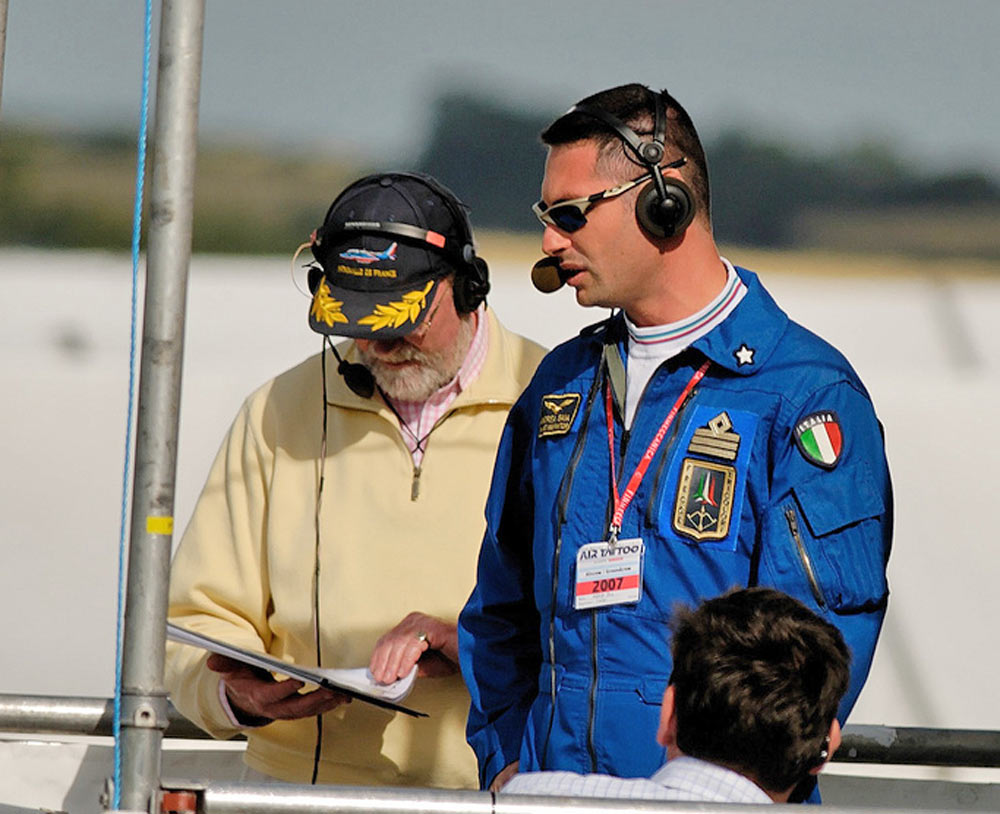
<point>651,346</point>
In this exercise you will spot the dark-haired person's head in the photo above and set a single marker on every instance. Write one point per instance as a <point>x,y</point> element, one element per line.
<point>757,679</point>
<point>635,106</point>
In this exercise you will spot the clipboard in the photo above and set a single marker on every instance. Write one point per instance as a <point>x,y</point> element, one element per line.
<point>265,662</point>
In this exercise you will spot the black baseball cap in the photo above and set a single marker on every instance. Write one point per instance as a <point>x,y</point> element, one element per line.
<point>385,244</point>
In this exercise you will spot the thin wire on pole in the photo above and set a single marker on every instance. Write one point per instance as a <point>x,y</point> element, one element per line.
<point>140,175</point>
<point>3,40</point>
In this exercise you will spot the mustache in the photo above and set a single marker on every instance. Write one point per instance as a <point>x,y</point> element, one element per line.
<point>404,352</point>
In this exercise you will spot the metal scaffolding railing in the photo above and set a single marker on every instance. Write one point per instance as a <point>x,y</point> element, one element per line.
<point>895,745</point>
<point>245,799</point>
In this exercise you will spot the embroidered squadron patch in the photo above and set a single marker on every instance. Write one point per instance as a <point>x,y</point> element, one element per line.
<point>558,412</point>
<point>820,439</point>
<point>717,440</point>
<point>708,475</point>
<point>704,503</point>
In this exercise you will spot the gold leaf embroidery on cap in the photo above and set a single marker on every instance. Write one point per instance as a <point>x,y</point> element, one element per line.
<point>396,313</point>
<point>325,308</point>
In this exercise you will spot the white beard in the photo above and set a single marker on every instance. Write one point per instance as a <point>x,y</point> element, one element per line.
<point>432,371</point>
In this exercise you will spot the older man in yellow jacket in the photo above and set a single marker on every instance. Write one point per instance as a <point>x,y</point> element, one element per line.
<point>340,523</point>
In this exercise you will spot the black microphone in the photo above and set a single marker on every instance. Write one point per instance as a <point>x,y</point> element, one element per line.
<point>547,276</point>
<point>357,377</point>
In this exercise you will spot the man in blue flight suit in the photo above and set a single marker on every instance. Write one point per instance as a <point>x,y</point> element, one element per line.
<point>695,441</point>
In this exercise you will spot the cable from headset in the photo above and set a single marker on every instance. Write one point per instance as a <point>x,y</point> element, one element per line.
<point>295,257</point>
<point>316,570</point>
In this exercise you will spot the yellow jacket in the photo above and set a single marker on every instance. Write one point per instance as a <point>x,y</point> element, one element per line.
<point>243,570</point>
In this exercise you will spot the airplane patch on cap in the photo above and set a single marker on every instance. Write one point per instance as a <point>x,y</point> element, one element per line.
<point>820,438</point>
<point>558,413</point>
<point>366,256</point>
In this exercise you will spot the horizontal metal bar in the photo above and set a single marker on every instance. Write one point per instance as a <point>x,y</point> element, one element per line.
<point>68,715</point>
<point>903,746</point>
<point>278,799</point>
<point>286,799</point>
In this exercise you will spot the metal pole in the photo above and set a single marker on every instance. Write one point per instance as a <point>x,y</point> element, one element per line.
<point>3,40</point>
<point>144,701</point>
<point>244,799</point>
<point>77,715</point>
<point>863,743</point>
<point>919,746</point>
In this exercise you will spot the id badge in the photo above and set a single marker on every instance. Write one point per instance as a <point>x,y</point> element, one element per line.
<point>608,576</point>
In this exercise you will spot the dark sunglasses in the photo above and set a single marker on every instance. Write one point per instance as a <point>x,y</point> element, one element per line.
<point>571,215</point>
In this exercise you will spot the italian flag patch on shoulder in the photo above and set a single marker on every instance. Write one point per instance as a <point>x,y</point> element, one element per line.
<point>819,438</point>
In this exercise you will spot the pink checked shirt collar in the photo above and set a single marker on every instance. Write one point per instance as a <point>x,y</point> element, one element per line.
<point>420,417</point>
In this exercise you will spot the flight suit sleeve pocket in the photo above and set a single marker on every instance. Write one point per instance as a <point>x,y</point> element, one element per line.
<point>843,512</point>
<point>833,500</point>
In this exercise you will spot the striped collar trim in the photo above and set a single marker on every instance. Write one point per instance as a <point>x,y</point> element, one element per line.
<point>714,312</point>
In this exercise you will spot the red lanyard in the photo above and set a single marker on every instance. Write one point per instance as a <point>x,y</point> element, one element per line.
<point>622,503</point>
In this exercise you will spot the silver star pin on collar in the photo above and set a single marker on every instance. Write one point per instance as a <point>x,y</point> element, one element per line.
<point>744,355</point>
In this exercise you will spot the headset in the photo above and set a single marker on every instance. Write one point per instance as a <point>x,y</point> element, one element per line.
<point>665,207</point>
<point>472,276</point>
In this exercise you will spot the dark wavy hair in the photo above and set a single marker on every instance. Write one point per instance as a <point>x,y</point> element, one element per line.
<point>757,679</point>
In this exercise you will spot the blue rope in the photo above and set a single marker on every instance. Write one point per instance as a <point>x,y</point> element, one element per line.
<point>140,175</point>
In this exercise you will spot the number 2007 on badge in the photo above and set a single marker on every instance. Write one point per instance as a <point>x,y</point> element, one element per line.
<point>608,576</point>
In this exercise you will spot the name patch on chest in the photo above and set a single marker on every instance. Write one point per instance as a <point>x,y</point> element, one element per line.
<point>557,414</point>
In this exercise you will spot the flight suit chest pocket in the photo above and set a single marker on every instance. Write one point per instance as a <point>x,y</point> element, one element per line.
<point>841,540</point>
<point>700,501</point>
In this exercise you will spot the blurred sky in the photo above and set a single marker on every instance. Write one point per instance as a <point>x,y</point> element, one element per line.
<point>919,74</point>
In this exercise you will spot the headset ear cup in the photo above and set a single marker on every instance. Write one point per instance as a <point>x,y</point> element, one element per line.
<point>482,280</point>
<point>668,217</point>
<point>471,286</point>
<point>314,277</point>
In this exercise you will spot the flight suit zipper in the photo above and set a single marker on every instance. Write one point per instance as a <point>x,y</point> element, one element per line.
<point>591,748</point>
<point>622,450</point>
<point>562,504</point>
<point>807,566</point>
<point>665,456</point>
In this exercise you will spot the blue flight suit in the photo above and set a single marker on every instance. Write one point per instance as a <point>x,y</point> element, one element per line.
<point>742,491</point>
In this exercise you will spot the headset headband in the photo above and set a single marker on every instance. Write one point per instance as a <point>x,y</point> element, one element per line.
<point>663,209</point>
<point>454,251</point>
<point>649,153</point>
